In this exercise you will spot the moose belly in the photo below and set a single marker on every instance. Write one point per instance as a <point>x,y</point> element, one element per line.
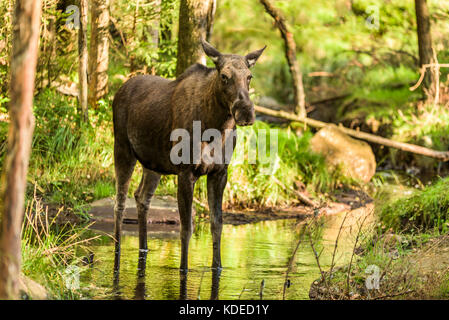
<point>154,154</point>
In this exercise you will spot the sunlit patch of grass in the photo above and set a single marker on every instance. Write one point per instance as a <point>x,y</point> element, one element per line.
<point>292,162</point>
<point>426,209</point>
<point>426,124</point>
<point>103,189</point>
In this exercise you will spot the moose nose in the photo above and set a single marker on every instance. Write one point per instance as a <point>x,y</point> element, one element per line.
<point>243,95</point>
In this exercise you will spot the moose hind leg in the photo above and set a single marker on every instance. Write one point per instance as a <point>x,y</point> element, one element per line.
<point>124,166</point>
<point>148,184</point>
<point>186,184</point>
<point>216,182</point>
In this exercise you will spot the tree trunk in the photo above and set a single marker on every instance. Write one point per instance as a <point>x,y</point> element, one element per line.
<point>98,51</point>
<point>27,17</point>
<point>290,54</point>
<point>83,54</point>
<point>195,23</point>
<point>425,40</point>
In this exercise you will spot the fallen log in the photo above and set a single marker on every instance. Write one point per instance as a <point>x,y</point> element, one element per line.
<point>440,155</point>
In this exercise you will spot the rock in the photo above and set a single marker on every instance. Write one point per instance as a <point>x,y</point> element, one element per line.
<point>163,216</point>
<point>354,157</point>
<point>30,289</point>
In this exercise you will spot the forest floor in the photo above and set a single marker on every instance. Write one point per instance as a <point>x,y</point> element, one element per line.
<point>420,272</point>
<point>164,210</point>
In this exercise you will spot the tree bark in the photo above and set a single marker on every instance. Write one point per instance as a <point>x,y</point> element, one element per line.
<point>27,17</point>
<point>83,55</point>
<point>290,54</point>
<point>195,23</point>
<point>98,51</point>
<point>425,40</point>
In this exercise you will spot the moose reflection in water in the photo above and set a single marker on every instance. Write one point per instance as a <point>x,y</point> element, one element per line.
<point>140,288</point>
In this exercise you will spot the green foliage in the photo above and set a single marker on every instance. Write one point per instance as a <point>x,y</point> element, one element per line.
<point>331,36</point>
<point>70,164</point>
<point>50,250</point>
<point>148,32</point>
<point>256,184</point>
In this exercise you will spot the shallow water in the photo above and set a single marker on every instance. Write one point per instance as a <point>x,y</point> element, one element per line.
<point>251,254</point>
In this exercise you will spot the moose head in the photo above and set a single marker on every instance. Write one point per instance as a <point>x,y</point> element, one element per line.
<point>234,77</point>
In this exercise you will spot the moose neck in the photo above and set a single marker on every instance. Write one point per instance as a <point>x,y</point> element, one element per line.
<point>217,112</point>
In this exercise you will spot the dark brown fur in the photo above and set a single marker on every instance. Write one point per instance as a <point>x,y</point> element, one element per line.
<point>146,109</point>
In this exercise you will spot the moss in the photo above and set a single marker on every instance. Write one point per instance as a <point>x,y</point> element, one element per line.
<point>423,210</point>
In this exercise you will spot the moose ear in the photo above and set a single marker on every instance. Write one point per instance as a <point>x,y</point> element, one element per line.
<point>252,57</point>
<point>210,51</point>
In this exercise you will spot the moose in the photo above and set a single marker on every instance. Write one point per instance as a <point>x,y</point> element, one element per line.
<point>146,110</point>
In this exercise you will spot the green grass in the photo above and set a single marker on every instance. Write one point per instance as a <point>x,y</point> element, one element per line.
<point>423,210</point>
<point>70,164</point>
<point>50,251</point>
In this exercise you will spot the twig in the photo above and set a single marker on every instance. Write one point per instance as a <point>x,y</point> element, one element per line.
<point>437,78</point>
<point>301,196</point>
<point>292,258</point>
<point>317,258</point>
<point>205,206</point>
<point>262,286</point>
<point>393,295</point>
<point>385,270</point>
<point>243,289</point>
<point>353,252</point>
<point>336,244</point>
<point>114,22</point>
<point>423,71</point>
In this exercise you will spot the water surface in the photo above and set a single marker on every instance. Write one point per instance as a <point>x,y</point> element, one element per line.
<point>251,253</point>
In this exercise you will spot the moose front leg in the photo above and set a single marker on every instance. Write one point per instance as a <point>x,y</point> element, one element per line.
<point>186,184</point>
<point>216,182</point>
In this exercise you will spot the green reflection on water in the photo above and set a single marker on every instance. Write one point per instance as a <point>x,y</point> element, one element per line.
<point>250,253</point>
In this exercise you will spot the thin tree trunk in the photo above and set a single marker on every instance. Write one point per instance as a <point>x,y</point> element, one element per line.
<point>210,19</point>
<point>195,19</point>
<point>27,17</point>
<point>290,54</point>
<point>133,36</point>
<point>98,51</point>
<point>425,40</point>
<point>83,55</point>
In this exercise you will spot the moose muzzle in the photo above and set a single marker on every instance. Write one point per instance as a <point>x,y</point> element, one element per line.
<point>243,110</point>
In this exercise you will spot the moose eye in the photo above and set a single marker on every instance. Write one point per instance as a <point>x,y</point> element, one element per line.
<point>224,78</point>
<point>249,78</point>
